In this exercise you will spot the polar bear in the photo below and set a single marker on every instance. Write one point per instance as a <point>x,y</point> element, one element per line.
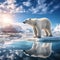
<point>39,24</point>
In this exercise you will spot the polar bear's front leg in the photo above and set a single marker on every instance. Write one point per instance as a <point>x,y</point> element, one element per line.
<point>35,31</point>
<point>38,32</point>
<point>48,31</point>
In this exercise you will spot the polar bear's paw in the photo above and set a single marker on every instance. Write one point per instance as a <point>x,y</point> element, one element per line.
<point>50,36</point>
<point>37,37</point>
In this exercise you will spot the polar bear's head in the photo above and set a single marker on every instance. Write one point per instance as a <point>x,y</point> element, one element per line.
<point>29,21</point>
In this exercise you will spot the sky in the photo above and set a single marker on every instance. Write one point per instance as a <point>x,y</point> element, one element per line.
<point>23,9</point>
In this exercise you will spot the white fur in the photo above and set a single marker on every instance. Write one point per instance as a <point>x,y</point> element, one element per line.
<point>39,24</point>
<point>38,50</point>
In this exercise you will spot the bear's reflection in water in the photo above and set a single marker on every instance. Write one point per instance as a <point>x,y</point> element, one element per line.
<point>12,54</point>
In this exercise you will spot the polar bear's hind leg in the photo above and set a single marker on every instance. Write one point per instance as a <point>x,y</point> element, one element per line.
<point>48,32</point>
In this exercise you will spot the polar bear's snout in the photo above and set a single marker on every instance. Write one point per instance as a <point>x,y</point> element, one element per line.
<point>26,21</point>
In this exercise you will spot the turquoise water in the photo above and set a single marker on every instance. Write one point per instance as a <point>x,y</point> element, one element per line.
<point>26,45</point>
<point>22,45</point>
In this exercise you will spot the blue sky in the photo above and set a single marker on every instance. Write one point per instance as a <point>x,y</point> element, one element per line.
<point>23,9</point>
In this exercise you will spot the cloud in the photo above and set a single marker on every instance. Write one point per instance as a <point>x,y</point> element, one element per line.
<point>11,6</point>
<point>34,10</point>
<point>7,6</point>
<point>56,30</point>
<point>51,3</point>
<point>41,7</point>
<point>41,2</point>
<point>27,29</point>
<point>24,26</point>
<point>54,8</point>
<point>27,3</point>
<point>20,9</point>
<point>10,1</point>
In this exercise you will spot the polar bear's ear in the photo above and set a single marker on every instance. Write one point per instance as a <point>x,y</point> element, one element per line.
<point>29,18</point>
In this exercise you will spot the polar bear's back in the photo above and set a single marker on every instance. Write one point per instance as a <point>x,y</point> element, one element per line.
<point>40,19</point>
<point>43,23</point>
<point>43,19</point>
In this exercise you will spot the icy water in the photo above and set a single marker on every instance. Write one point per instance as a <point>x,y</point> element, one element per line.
<point>13,49</point>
